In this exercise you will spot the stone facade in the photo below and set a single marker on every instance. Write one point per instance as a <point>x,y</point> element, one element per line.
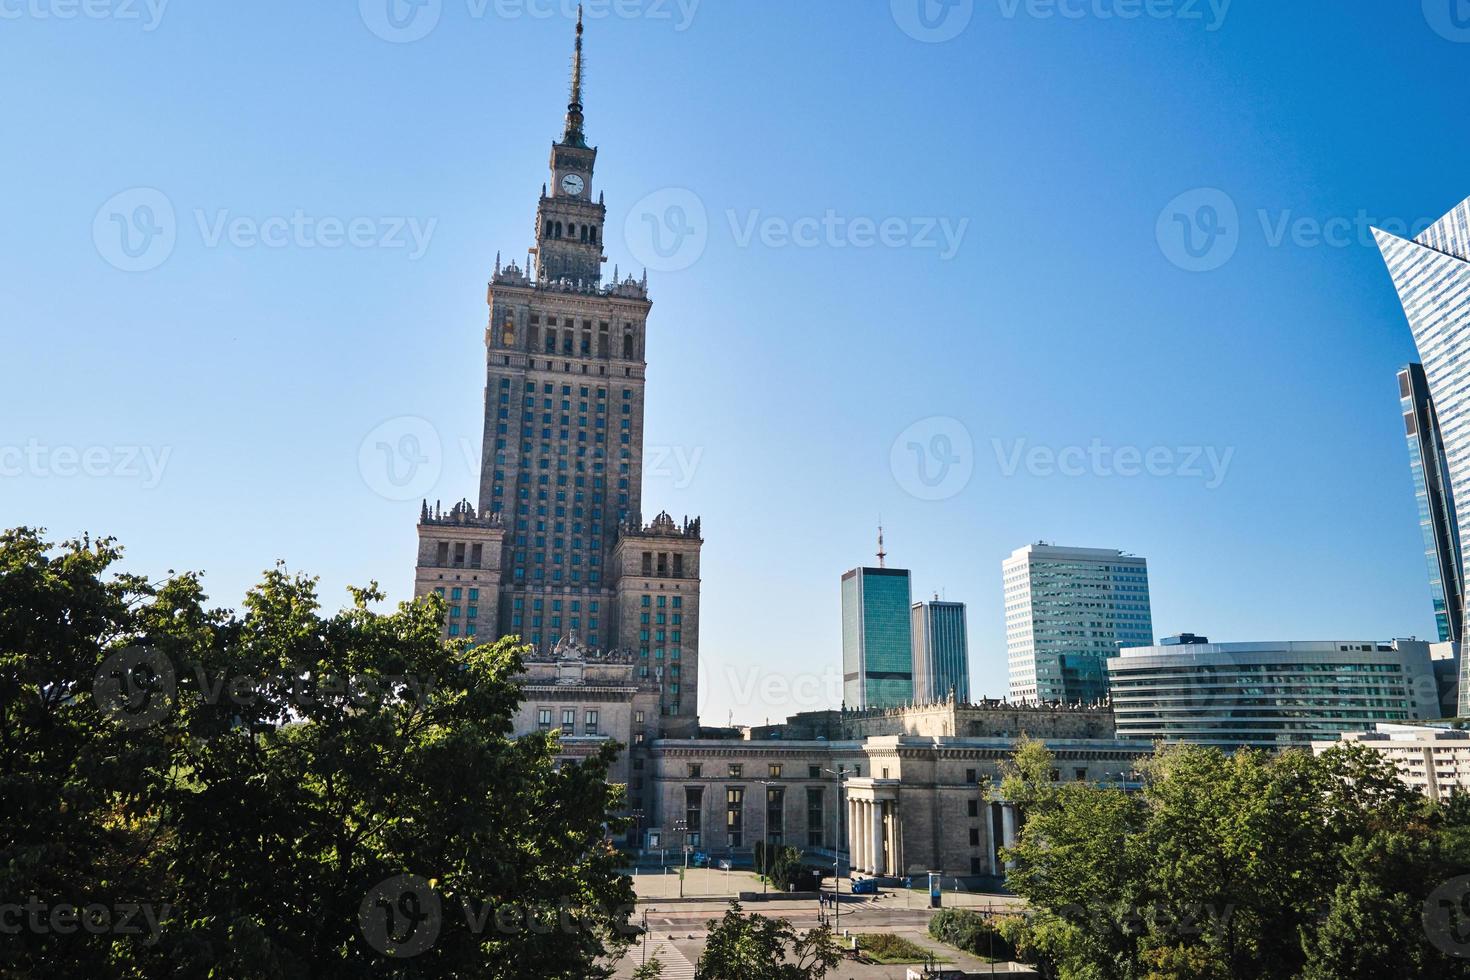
<point>907,805</point>
<point>985,719</point>
<point>557,545</point>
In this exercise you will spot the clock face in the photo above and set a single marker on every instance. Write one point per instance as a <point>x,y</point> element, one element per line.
<point>572,184</point>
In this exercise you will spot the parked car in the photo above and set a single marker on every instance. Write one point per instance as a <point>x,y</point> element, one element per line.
<point>699,859</point>
<point>865,886</point>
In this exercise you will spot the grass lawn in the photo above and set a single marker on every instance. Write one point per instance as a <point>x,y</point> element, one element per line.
<point>885,947</point>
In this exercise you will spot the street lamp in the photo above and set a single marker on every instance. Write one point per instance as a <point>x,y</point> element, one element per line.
<point>645,934</point>
<point>842,775</point>
<point>682,826</point>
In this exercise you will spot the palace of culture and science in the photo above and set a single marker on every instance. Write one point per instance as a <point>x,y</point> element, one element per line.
<point>557,552</point>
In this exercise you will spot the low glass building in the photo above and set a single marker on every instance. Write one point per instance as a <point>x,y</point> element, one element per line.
<point>1277,695</point>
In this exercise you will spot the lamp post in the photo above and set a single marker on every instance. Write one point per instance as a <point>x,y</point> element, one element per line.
<point>682,826</point>
<point>841,775</point>
<point>645,934</point>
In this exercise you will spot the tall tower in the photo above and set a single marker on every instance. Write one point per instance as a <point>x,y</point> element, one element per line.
<point>941,651</point>
<point>877,646</point>
<point>1430,469</point>
<point>1432,275</point>
<point>562,460</point>
<point>1067,611</point>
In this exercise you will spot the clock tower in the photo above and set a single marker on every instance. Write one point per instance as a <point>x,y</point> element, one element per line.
<point>569,223</point>
<point>556,550</point>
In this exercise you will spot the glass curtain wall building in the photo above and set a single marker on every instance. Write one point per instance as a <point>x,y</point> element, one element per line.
<point>941,651</point>
<point>1272,695</point>
<point>877,643</point>
<point>1437,521</point>
<point>1067,611</point>
<point>1432,275</point>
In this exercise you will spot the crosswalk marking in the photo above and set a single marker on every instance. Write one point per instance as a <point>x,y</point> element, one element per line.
<point>676,964</point>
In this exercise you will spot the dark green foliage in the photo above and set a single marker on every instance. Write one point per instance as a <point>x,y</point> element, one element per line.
<point>260,812</point>
<point>1238,866</point>
<point>972,932</point>
<point>753,947</point>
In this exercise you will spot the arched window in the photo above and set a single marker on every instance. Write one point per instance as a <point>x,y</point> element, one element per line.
<point>628,345</point>
<point>584,233</point>
<point>558,229</point>
<point>548,227</point>
<point>508,332</point>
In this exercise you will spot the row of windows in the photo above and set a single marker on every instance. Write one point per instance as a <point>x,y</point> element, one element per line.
<point>590,721</point>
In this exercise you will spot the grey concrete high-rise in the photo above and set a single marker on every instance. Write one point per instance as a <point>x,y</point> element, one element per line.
<point>1067,611</point>
<point>941,651</point>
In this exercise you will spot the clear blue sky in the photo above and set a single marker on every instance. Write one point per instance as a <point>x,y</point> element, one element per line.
<point>788,371</point>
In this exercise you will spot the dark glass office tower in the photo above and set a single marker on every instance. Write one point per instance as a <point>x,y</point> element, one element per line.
<point>877,645</point>
<point>1430,469</point>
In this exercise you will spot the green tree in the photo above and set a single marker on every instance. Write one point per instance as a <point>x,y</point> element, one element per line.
<point>652,970</point>
<point>326,795</point>
<point>753,947</point>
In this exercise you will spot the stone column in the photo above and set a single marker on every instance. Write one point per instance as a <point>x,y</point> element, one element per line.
<point>879,858</point>
<point>851,834</point>
<point>987,837</point>
<point>1008,828</point>
<point>895,836</point>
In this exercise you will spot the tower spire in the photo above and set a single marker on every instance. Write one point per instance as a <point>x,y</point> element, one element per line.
<point>882,555</point>
<point>574,135</point>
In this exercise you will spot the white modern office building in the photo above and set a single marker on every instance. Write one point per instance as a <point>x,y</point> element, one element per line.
<point>1277,695</point>
<point>1432,276</point>
<point>1433,760</point>
<point>1067,611</point>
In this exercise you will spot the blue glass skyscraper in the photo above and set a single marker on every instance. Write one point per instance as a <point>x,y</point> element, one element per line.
<point>941,651</point>
<point>1430,469</point>
<point>1432,276</point>
<point>877,646</point>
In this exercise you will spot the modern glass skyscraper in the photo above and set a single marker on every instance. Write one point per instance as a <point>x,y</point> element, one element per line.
<point>1432,276</point>
<point>1067,611</point>
<point>877,645</point>
<point>1430,469</point>
<point>941,651</point>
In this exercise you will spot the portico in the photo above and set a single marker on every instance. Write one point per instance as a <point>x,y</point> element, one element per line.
<point>875,826</point>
